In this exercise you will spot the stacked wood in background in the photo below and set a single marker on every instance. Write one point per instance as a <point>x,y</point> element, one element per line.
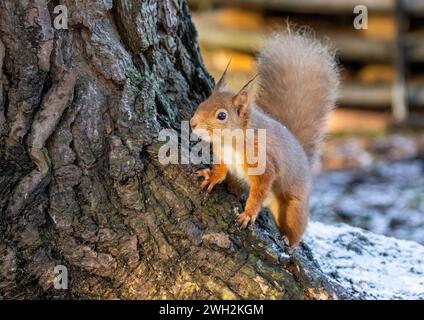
<point>382,65</point>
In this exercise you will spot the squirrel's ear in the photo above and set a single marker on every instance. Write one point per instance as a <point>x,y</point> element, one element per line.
<point>241,99</point>
<point>220,85</point>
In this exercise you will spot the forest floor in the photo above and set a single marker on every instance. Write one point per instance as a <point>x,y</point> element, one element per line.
<point>386,199</point>
<point>383,196</point>
<point>367,265</point>
<point>379,188</point>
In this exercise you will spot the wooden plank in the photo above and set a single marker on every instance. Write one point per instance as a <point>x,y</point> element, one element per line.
<point>415,7</point>
<point>365,96</point>
<point>349,47</point>
<point>357,48</point>
<point>219,38</point>
<point>378,95</point>
<point>399,99</point>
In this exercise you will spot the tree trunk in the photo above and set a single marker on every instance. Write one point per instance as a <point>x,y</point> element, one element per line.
<point>80,184</point>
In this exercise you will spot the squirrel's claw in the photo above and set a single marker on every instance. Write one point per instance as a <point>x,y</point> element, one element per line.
<point>208,182</point>
<point>205,173</point>
<point>244,219</point>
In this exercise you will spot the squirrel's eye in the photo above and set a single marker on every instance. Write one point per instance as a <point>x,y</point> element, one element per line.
<point>221,116</point>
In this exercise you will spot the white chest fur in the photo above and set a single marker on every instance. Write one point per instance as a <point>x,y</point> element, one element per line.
<point>234,161</point>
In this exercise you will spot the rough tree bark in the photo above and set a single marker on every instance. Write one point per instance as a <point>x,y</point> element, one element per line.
<point>80,184</point>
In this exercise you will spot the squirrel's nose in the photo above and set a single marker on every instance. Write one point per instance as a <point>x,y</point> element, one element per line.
<point>193,123</point>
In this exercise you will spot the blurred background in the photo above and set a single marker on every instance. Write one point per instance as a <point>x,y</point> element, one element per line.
<point>372,162</point>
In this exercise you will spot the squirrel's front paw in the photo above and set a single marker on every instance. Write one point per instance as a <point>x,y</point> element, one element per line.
<point>207,176</point>
<point>244,219</point>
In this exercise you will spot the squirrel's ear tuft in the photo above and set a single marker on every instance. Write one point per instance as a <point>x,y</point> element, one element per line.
<point>220,85</point>
<point>241,99</point>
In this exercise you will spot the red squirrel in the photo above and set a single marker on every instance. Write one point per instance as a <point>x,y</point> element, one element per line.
<point>298,84</point>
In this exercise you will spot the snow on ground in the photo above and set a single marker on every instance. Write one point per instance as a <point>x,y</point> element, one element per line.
<point>376,266</point>
<point>387,199</point>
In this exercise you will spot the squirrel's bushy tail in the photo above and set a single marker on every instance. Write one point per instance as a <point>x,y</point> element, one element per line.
<point>298,85</point>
